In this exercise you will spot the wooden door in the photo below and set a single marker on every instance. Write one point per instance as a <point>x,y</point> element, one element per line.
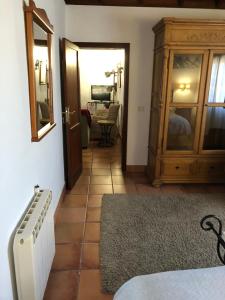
<point>71,112</point>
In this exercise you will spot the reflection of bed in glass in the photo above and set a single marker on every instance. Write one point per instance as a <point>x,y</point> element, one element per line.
<point>181,128</point>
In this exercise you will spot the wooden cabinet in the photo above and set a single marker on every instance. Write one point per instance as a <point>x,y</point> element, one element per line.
<point>187,123</point>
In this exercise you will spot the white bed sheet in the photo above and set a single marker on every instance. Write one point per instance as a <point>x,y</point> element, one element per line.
<point>195,284</point>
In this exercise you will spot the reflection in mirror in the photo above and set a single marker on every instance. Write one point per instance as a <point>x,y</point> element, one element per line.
<point>217,82</point>
<point>41,67</point>
<point>181,128</point>
<point>39,38</point>
<point>186,77</point>
<point>214,138</point>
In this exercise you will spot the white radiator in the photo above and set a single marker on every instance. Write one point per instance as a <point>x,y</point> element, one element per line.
<point>34,247</point>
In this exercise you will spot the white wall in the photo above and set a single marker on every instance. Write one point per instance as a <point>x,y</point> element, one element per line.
<point>93,65</point>
<point>134,26</point>
<point>23,163</point>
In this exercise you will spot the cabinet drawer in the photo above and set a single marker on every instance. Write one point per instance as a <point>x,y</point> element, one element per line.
<point>210,167</point>
<point>177,167</point>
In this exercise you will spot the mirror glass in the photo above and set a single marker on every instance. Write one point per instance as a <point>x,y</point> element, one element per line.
<point>41,69</point>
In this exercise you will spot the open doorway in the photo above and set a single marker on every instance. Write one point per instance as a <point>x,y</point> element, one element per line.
<point>103,87</point>
<point>104,71</point>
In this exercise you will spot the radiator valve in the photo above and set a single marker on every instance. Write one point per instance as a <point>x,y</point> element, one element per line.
<point>36,189</point>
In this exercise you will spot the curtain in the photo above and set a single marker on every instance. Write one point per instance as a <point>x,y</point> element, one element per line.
<point>216,115</point>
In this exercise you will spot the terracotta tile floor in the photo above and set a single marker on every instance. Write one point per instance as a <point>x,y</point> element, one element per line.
<point>75,271</point>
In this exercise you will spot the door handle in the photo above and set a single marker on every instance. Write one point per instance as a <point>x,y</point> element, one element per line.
<point>67,113</point>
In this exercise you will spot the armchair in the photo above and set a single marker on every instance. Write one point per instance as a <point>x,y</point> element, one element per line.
<point>109,114</point>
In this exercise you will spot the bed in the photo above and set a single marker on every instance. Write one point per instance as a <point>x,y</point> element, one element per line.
<point>195,284</point>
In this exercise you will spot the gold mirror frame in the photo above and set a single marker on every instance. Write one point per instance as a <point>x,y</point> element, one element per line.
<point>40,18</point>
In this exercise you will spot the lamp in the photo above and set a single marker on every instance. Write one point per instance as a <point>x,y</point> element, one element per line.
<point>114,73</point>
<point>114,87</point>
<point>108,74</point>
<point>36,65</point>
<point>184,86</point>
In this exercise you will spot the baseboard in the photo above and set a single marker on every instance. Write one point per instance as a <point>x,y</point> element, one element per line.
<point>135,169</point>
<point>62,196</point>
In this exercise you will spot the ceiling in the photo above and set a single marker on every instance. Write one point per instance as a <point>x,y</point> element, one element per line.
<point>218,4</point>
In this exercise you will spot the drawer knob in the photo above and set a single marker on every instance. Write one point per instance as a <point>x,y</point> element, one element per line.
<point>212,167</point>
<point>177,167</point>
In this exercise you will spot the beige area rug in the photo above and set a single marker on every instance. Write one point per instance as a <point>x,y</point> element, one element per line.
<point>149,234</point>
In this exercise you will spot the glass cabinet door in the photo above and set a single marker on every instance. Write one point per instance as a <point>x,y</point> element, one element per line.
<point>214,112</point>
<point>184,97</point>
<point>217,80</point>
<point>185,79</point>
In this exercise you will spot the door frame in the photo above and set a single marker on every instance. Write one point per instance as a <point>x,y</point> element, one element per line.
<point>126,48</point>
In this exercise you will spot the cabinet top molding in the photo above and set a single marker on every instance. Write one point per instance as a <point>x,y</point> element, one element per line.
<point>213,4</point>
<point>190,32</point>
<point>188,21</point>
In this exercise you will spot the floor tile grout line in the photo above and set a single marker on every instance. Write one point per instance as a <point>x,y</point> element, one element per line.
<point>89,242</point>
<point>112,181</point>
<point>66,269</point>
<point>81,250</point>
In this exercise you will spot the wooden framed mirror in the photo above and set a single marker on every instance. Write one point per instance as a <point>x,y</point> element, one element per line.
<point>39,38</point>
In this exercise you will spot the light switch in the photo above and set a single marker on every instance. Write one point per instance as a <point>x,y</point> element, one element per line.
<point>141,108</point>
